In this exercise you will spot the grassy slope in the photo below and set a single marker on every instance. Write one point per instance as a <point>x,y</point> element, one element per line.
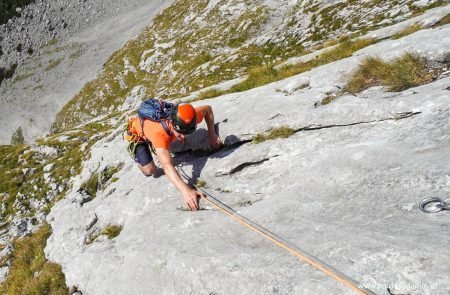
<point>30,273</point>
<point>190,46</point>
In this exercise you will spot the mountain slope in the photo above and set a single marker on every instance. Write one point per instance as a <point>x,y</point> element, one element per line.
<point>344,185</point>
<point>347,194</point>
<point>195,44</point>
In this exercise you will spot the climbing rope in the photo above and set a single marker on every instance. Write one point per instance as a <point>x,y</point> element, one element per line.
<point>433,205</point>
<point>294,250</point>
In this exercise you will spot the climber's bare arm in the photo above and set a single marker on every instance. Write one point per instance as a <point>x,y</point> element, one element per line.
<point>208,114</point>
<point>190,196</point>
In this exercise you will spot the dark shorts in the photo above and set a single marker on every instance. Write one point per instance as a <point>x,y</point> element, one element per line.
<point>143,155</point>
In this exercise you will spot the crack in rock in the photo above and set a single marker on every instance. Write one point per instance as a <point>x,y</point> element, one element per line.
<point>397,116</point>
<point>92,223</point>
<point>244,165</point>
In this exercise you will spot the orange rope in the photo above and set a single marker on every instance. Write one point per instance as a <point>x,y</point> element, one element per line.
<point>357,289</point>
<point>302,255</point>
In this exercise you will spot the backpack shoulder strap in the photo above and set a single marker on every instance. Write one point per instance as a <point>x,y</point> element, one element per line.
<point>166,128</point>
<point>163,123</point>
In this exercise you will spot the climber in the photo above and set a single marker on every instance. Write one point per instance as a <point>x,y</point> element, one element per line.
<point>159,132</point>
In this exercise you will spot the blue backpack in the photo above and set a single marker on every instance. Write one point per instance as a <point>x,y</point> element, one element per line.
<point>155,110</point>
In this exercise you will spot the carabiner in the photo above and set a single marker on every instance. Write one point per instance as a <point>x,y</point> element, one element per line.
<point>442,205</point>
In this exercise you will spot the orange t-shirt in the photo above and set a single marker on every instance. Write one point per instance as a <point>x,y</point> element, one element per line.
<point>154,131</point>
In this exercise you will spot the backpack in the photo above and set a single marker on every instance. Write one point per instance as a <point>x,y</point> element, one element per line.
<point>152,109</point>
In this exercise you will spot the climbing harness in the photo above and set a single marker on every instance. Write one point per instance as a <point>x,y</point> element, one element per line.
<point>294,250</point>
<point>439,205</point>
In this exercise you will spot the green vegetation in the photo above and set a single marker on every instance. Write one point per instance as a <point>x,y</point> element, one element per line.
<point>280,132</point>
<point>53,63</point>
<point>98,181</point>
<point>213,92</point>
<point>109,172</point>
<point>402,73</point>
<point>91,186</point>
<point>195,69</point>
<point>26,174</point>
<point>17,137</point>
<point>111,231</point>
<point>174,57</point>
<point>261,75</point>
<point>327,99</point>
<point>265,74</point>
<point>444,21</point>
<point>200,183</point>
<point>407,31</point>
<point>30,273</point>
<point>22,175</point>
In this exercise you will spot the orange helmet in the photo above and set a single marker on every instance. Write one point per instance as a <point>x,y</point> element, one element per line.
<point>184,118</point>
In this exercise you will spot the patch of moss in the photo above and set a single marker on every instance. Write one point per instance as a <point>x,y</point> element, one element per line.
<point>200,183</point>
<point>30,272</point>
<point>111,231</point>
<point>280,132</point>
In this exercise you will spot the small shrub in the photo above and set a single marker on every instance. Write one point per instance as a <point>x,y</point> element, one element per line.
<point>91,186</point>
<point>407,31</point>
<point>17,137</point>
<point>402,73</point>
<point>281,132</point>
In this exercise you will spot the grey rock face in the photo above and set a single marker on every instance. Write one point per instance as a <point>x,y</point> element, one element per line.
<point>345,189</point>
